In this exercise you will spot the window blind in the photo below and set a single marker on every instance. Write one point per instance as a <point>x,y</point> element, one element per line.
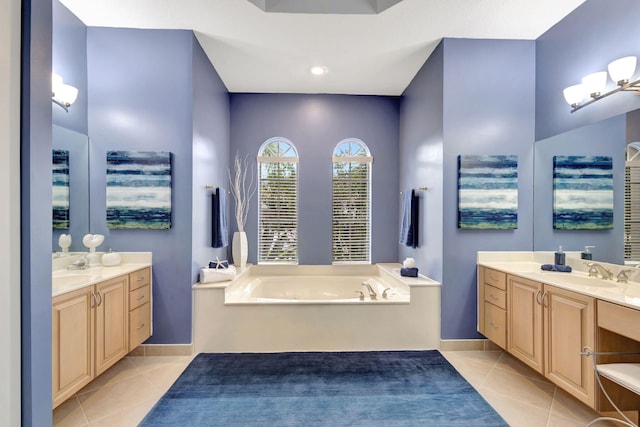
<point>632,212</point>
<point>351,211</point>
<point>278,211</point>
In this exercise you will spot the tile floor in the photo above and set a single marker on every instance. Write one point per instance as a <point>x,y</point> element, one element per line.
<point>125,393</point>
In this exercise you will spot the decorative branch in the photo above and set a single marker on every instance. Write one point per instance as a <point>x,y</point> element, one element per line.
<point>243,187</point>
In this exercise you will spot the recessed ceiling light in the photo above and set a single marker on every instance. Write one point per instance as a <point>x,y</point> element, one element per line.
<point>318,70</point>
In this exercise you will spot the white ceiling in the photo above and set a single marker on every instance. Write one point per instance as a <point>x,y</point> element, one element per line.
<point>366,54</point>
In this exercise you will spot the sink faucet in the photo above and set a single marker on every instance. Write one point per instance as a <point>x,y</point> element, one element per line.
<point>81,263</point>
<point>595,268</point>
<point>623,276</point>
<point>372,294</point>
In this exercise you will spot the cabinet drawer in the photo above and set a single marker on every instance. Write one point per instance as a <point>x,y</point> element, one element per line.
<point>495,296</point>
<point>139,325</point>
<point>495,324</point>
<point>139,278</point>
<point>139,296</point>
<point>495,278</point>
<point>619,319</point>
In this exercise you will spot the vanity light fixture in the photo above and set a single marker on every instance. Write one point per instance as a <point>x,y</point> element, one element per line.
<point>621,72</point>
<point>62,94</point>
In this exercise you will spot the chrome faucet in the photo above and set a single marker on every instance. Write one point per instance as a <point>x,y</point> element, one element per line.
<point>81,263</point>
<point>372,293</point>
<point>595,268</point>
<point>623,276</point>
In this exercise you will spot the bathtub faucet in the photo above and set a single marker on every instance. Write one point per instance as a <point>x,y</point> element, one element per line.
<point>372,294</point>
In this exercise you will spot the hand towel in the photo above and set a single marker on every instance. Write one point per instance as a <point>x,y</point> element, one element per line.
<point>409,272</point>
<point>219,232</point>
<point>410,217</point>
<point>556,267</point>
<point>212,275</point>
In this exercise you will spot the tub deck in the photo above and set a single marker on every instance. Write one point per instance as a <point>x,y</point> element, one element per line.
<point>280,324</point>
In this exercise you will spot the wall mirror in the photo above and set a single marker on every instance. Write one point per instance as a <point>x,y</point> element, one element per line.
<point>604,138</point>
<point>77,147</point>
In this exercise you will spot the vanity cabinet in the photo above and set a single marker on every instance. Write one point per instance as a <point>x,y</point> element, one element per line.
<point>112,322</point>
<point>492,309</point>
<point>547,329</point>
<point>96,326</point>
<point>72,343</point>
<point>139,307</point>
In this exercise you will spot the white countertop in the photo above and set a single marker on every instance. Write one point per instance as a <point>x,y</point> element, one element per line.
<point>64,280</point>
<point>527,265</point>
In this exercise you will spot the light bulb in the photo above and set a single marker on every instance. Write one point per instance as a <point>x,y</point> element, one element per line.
<point>574,94</point>
<point>67,94</point>
<point>318,70</point>
<point>594,83</point>
<point>621,70</point>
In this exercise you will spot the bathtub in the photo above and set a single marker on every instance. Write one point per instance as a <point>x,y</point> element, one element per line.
<point>273,308</point>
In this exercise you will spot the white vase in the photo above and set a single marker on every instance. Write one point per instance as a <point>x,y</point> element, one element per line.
<point>239,248</point>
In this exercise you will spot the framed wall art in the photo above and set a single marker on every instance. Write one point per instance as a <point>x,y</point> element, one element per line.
<point>139,189</point>
<point>488,192</point>
<point>582,193</point>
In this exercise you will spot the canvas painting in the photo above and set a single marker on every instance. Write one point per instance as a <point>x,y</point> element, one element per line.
<point>60,188</point>
<point>139,189</point>
<point>582,193</point>
<point>487,192</point>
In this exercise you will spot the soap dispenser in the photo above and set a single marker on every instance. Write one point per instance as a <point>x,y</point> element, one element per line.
<point>559,256</point>
<point>586,254</point>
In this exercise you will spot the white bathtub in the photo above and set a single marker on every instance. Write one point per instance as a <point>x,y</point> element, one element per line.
<point>317,308</point>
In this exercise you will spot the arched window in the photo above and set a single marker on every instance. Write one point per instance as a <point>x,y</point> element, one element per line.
<point>351,205</point>
<point>278,202</point>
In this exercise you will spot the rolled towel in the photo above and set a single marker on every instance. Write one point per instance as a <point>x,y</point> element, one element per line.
<point>219,264</point>
<point>409,272</point>
<point>556,267</point>
<point>212,275</point>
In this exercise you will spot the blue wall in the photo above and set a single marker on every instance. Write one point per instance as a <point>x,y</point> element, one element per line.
<point>35,226</point>
<point>421,151</point>
<point>596,33</point>
<point>487,108</point>
<point>69,59</point>
<point>140,98</point>
<point>210,154</point>
<point>315,124</point>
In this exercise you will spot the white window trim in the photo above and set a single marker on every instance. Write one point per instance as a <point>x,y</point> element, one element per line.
<point>366,159</point>
<point>261,160</point>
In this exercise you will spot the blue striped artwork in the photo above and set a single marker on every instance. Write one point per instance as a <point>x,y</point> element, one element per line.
<point>60,195</point>
<point>487,192</point>
<point>139,189</point>
<point>582,193</point>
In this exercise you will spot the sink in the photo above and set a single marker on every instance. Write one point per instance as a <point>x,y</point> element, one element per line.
<point>578,279</point>
<point>71,279</point>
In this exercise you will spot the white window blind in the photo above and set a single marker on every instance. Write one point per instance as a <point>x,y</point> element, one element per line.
<point>278,202</point>
<point>632,211</point>
<point>351,206</point>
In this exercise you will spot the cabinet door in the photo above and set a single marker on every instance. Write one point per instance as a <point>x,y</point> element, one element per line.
<point>524,324</point>
<point>111,322</point>
<point>569,327</point>
<point>72,343</point>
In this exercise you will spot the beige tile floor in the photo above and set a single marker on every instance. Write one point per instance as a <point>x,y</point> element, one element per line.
<point>125,393</point>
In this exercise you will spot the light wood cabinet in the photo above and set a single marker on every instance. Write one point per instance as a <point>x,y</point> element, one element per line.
<point>112,322</point>
<point>492,314</point>
<point>569,328</point>
<point>548,328</point>
<point>96,326</point>
<point>139,307</point>
<point>72,350</point>
<point>525,321</point>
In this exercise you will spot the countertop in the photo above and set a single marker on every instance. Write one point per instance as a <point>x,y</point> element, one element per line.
<point>528,267</point>
<point>64,280</point>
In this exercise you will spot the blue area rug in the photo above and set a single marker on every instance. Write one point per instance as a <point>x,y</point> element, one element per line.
<point>388,388</point>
